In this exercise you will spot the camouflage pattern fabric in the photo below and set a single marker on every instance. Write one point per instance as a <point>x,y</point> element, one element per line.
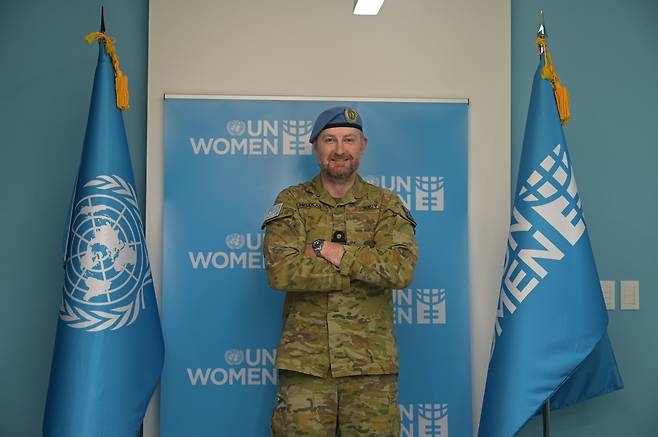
<point>309,406</point>
<point>339,321</point>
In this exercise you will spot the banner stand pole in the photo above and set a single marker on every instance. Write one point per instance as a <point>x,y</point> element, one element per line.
<point>546,416</point>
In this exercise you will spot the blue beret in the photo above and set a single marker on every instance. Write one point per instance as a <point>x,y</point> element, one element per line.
<point>339,116</point>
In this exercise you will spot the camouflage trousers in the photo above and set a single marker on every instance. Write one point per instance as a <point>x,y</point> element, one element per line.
<point>352,405</point>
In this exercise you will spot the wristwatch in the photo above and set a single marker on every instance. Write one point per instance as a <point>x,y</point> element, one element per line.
<point>317,247</point>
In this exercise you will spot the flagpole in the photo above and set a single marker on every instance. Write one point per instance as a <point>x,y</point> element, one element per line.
<point>140,433</point>
<point>546,416</point>
<point>546,408</point>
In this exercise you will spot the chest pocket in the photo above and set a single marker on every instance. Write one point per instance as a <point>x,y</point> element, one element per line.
<point>317,221</point>
<point>361,224</point>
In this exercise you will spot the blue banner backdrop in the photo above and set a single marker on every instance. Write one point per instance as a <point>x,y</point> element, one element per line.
<point>225,161</point>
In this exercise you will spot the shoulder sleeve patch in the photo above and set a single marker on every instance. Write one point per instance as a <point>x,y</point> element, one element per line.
<point>276,212</point>
<point>272,213</point>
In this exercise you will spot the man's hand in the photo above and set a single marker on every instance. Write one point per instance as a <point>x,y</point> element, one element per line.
<point>332,252</point>
<point>308,251</point>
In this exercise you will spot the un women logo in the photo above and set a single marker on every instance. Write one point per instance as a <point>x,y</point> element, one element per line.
<point>234,357</point>
<point>235,127</point>
<point>107,266</point>
<point>234,241</point>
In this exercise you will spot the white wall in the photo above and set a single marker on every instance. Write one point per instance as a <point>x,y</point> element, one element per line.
<point>414,48</point>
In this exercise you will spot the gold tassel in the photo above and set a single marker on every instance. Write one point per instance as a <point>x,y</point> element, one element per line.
<point>120,80</point>
<point>121,84</point>
<point>561,94</point>
<point>562,98</point>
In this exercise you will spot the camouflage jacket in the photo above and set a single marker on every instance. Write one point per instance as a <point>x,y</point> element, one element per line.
<point>339,321</point>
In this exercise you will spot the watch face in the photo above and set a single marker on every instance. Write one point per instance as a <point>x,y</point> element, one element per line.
<point>317,244</point>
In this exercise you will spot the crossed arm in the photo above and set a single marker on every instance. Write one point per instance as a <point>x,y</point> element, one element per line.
<point>293,266</point>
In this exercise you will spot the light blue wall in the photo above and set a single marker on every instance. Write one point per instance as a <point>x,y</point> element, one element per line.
<point>46,76</point>
<point>605,53</point>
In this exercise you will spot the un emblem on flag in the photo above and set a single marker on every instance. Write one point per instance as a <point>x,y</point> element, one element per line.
<point>107,266</point>
<point>552,192</point>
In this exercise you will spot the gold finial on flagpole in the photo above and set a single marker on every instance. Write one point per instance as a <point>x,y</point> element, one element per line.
<point>541,32</point>
<point>548,72</point>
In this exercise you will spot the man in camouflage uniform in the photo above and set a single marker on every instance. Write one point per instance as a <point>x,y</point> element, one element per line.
<point>337,246</point>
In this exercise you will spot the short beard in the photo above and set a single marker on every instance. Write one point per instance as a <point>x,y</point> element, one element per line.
<point>340,177</point>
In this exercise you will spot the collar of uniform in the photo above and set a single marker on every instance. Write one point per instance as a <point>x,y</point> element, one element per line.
<point>357,191</point>
<point>359,187</point>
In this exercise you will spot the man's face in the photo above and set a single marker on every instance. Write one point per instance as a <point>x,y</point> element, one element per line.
<point>338,151</point>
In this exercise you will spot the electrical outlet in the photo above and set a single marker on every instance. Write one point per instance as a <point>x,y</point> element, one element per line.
<point>630,295</point>
<point>608,289</point>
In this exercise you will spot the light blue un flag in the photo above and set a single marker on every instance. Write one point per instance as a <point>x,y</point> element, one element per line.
<point>109,349</point>
<point>550,337</point>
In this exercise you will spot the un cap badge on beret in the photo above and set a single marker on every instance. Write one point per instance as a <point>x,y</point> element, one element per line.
<point>350,115</point>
